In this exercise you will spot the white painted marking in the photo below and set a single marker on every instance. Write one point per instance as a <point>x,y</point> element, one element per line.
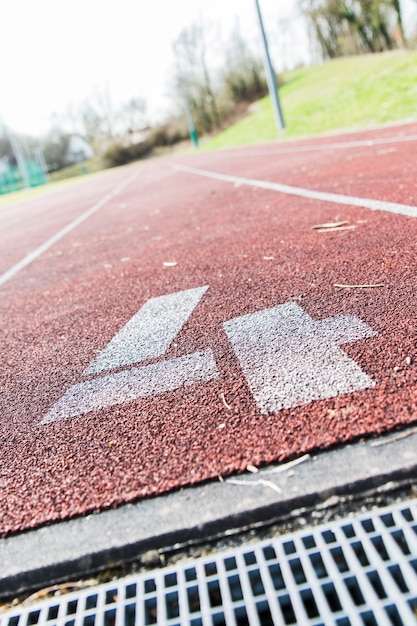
<point>129,385</point>
<point>289,359</point>
<point>315,147</point>
<point>367,203</point>
<point>32,256</point>
<point>149,333</point>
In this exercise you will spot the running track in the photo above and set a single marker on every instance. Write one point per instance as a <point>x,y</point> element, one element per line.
<point>177,320</point>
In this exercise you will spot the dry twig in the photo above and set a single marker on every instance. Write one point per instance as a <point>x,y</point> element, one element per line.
<point>251,483</point>
<point>335,230</point>
<point>329,225</point>
<point>287,466</point>
<point>224,401</point>
<point>375,444</point>
<point>341,286</point>
<point>62,588</point>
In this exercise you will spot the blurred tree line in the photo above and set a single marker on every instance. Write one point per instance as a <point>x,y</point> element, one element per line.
<point>346,27</point>
<point>219,79</point>
<point>216,94</point>
<point>95,121</point>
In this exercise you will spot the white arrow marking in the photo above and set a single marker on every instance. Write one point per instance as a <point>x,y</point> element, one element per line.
<point>289,359</point>
<point>129,385</point>
<point>149,333</point>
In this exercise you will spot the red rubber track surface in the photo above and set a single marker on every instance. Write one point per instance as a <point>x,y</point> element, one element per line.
<point>61,310</point>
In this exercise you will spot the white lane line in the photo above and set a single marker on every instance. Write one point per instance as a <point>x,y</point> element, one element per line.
<point>127,386</point>
<point>32,256</point>
<point>339,145</point>
<point>367,203</point>
<point>150,331</point>
<point>290,360</point>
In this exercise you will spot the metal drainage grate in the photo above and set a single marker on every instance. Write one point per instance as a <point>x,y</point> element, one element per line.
<point>356,571</point>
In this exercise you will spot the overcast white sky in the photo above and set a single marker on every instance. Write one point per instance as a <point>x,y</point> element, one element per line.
<point>53,53</point>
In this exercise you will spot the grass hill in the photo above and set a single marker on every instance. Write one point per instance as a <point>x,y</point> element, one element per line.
<point>347,93</point>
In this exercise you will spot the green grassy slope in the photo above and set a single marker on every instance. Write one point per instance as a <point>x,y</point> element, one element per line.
<point>353,92</point>
<point>347,93</point>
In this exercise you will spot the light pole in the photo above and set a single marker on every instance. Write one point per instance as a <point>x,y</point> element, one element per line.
<point>270,75</point>
<point>188,114</point>
<point>17,152</point>
<point>187,108</point>
<point>41,160</point>
<point>19,156</point>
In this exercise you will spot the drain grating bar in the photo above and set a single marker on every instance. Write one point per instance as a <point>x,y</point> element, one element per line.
<point>359,571</point>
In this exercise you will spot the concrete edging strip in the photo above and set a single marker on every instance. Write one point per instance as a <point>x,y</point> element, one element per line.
<point>79,546</point>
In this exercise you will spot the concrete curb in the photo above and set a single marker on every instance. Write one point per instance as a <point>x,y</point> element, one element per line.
<point>82,545</point>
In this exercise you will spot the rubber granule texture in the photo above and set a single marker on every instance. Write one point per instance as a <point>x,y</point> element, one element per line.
<point>253,250</point>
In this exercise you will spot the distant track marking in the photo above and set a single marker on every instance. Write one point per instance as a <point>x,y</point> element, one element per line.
<point>32,256</point>
<point>338,145</point>
<point>367,203</point>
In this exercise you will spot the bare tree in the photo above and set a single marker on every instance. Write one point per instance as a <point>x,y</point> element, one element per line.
<point>91,121</point>
<point>133,114</point>
<point>55,146</point>
<point>5,146</point>
<point>354,26</point>
<point>243,75</point>
<point>191,50</point>
<point>102,103</point>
